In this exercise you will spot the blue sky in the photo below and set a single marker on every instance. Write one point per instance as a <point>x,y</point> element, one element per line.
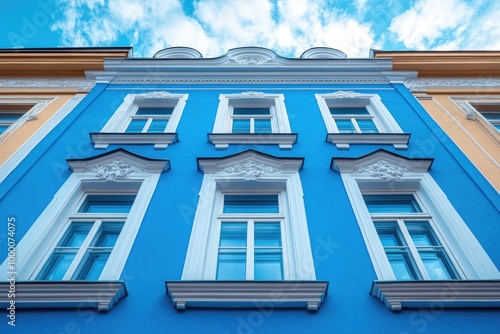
<point>288,27</point>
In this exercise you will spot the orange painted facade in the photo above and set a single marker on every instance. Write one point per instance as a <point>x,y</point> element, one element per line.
<point>37,84</point>
<point>454,87</point>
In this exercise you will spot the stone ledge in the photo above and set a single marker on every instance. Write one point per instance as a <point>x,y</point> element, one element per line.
<point>160,140</point>
<point>451,293</point>
<point>343,140</point>
<point>223,140</point>
<point>100,295</point>
<point>247,294</point>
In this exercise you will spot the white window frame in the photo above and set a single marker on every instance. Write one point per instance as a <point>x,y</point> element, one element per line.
<point>249,172</point>
<point>116,172</point>
<point>36,103</point>
<point>113,131</point>
<point>389,130</point>
<point>385,172</point>
<point>466,105</point>
<point>281,135</point>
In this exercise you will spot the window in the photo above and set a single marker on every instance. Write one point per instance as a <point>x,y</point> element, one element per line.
<point>149,118</point>
<point>409,241</point>
<point>252,118</point>
<point>490,112</point>
<point>11,112</point>
<point>88,242</point>
<point>250,244</point>
<point>413,233</point>
<point>484,110</point>
<point>83,241</point>
<point>355,118</point>
<point>257,234</point>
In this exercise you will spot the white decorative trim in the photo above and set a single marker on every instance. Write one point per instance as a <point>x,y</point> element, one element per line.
<point>43,233</point>
<point>383,170</point>
<point>251,81</point>
<point>323,53</point>
<point>100,295</point>
<point>247,294</point>
<point>116,170</point>
<point>467,109</point>
<point>465,251</point>
<point>251,56</point>
<point>381,117</point>
<point>160,140</point>
<point>222,140</point>
<point>342,94</point>
<point>419,85</point>
<point>131,162</point>
<point>248,170</point>
<point>437,294</point>
<point>275,175</point>
<point>344,140</point>
<point>221,135</point>
<point>353,165</point>
<point>82,85</point>
<point>178,53</point>
<point>16,158</point>
<point>120,119</point>
<point>249,95</point>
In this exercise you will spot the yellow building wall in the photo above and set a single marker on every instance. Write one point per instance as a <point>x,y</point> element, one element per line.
<point>479,143</point>
<point>22,134</point>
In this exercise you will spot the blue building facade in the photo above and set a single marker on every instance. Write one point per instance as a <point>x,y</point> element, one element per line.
<point>249,193</point>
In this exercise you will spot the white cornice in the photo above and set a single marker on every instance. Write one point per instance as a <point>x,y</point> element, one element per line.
<point>82,85</point>
<point>420,85</point>
<point>254,65</point>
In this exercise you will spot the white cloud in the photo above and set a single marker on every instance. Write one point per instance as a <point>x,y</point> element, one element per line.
<point>429,20</point>
<point>288,27</point>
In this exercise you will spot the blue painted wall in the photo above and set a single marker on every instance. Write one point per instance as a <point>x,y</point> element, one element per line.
<point>339,251</point>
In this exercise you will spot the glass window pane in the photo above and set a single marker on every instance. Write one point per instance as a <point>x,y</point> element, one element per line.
<point>93,265</point>
<point>437,265</point>
<point>267,234</point>
<point>233,234</point>
<point>422,235</point>
<point>367,126</point>
<point>241,126</point>
<point>136,126</point>
<point>391,204</point>
<point>155,111</point>
<point>345,126</point>
<point>56,267</point>
<point>251,204</point>
<point>268,264</point>
<point>75,235</point>
<point>401,266</point>
<point>3,128</point>
<point>108,236</point>
<point>389,235</point>
<point>157,126</point>
<point>342,111</point>
<point>107,204</point>
<point>492,116</point>
<point>262,126</point>
<point>251,111</point>
<point>231,266</point>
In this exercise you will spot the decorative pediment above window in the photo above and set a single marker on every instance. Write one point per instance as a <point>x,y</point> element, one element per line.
<point>341,94</point>
<point>249,165</point>
<point>118,164</point>
<point>381,164</point>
